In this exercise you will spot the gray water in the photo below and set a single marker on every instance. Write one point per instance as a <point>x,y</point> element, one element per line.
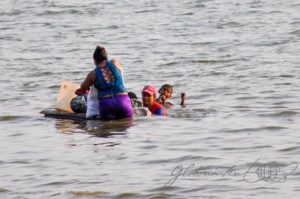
<point>237,61</point>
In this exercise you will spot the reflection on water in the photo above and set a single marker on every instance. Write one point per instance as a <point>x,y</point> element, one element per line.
<point>95,127</point>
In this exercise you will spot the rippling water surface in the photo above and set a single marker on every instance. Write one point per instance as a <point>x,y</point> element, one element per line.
<point>237,61</point>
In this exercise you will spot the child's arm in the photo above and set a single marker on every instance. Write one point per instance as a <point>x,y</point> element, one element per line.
<point>182,99</point>
<point>162,99</point>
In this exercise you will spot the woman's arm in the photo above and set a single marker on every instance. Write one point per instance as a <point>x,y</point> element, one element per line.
<point>88,82</point>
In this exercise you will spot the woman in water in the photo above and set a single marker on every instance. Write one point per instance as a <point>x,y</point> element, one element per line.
<point>107,77</point>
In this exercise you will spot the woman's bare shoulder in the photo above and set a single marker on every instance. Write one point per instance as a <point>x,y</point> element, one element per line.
<point>116,63</point>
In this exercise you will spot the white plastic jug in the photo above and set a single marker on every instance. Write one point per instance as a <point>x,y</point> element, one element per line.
<point>66,94</point>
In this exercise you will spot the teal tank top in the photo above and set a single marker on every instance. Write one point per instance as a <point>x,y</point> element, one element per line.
<point>109,88</point>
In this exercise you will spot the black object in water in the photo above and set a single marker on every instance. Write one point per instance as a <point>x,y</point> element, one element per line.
<point>79,104</point>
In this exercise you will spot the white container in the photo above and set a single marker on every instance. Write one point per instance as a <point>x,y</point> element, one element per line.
<point>66,94</point>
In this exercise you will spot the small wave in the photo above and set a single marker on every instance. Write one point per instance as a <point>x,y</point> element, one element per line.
<point>88,193</point>
<point>269,128</point>
<point>246,98</point>
<point>273,43</point>
<point>296,5</point>
<point>207,61</point>
<point>286,76</point>
<point>212,61</point>
<point>259,163</point>
<point>245,148</point>
<point>180,159</point>
<point>55,194</point>
<point>275,12</point>
<point>40,74</point>
<point>240,107</point>
<point>59,183</point>
<point>12,13</point>
<point>113,27</point>
<point>146,11</point>
<point>188,13</point>
<point>295,23</point>
<point>212,138</point>
<point>128,195</point>
<point>6,28</point>
<point>54,87</point>
<point>283,84</point>
<point>286,113</point>
<point>10,38</point>
<point>289,149</point>
<point>54,12</point>
<point>186,113</point>
<point>161,189</point>
<point>200,6</point>
<point>169,64</point>
<point>48,12</point>
<point>9,117</point>
<point>296,32</point>
<point>202,43</point>
<point>231,24</point>
<point>19,162</point>
<point>273,128</point>
<point>3,190</point>
<point>215,73</point>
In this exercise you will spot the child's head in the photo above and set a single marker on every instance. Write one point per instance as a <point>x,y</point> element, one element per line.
<point>134,100</point>
<point>132,95</point>
<point>166,90</point>
<point>148,93</point>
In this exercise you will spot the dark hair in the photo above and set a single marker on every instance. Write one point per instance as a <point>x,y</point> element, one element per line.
<point>132,95</point>
<point>100,54</point>
<point>166,86</point>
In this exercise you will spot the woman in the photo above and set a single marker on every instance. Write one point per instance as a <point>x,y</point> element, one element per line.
<point>107,77</point>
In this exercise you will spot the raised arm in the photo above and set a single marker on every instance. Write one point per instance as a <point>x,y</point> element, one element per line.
<point>183,97</point>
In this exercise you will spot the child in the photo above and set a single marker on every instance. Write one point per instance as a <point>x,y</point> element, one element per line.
<point>165,92</point>
<point>149,93</point>
<point>134,100</point>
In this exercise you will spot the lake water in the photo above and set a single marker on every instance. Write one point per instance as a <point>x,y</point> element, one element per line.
<point>237,61</point>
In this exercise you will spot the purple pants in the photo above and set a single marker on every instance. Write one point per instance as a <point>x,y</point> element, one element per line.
<point>116,107</point>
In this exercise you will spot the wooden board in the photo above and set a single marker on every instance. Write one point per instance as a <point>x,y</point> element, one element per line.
<point>63,115</point>
<point>138,112</point>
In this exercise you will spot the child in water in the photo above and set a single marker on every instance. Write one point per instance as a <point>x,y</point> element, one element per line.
<point>165,92</point>
<point>148,94</point>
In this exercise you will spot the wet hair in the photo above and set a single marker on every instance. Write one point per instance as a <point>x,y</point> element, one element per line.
<point>134,100</point>
<point>100,54</point>
<point>132,95</point>
<point>166,86</point>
